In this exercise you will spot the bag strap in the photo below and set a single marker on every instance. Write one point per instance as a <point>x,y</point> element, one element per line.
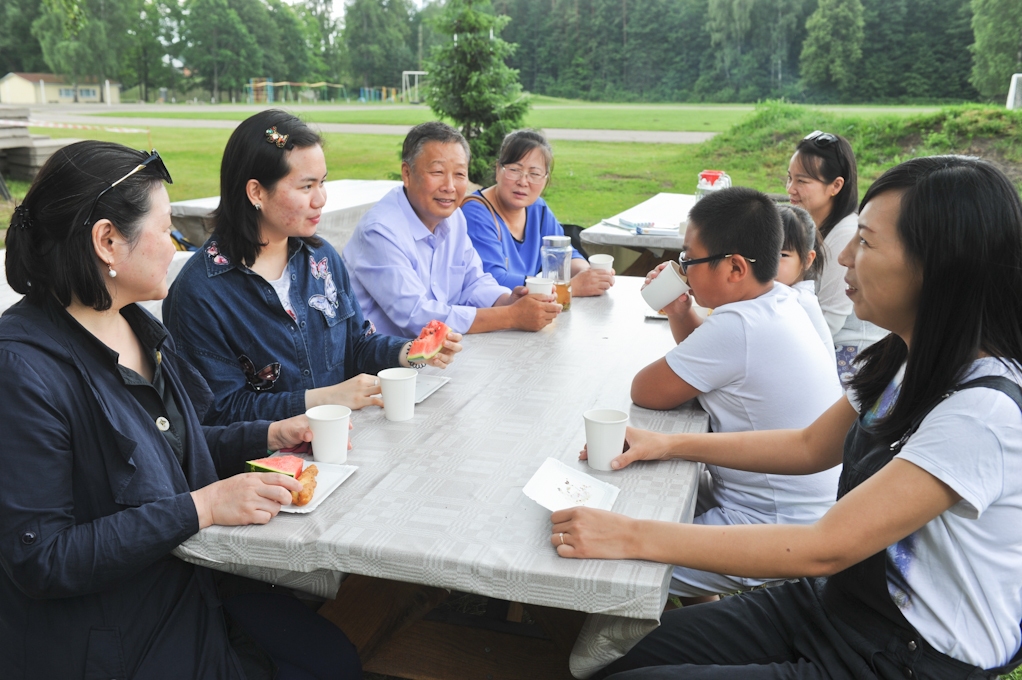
<point>493,213</point>
<point>1007,387</point>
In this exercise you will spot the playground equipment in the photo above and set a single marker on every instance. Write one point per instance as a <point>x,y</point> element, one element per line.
<point>409,91</point>
<point>268,91</point>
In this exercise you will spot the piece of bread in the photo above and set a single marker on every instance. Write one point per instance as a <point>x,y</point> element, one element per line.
<point>308,480</point>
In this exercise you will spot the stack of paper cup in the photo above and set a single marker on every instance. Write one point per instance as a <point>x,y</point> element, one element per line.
<point>667,287</point>
<point>329,425</point>
<point>398,387</point>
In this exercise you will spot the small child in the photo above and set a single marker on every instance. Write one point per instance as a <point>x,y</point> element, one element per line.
<point>802,261</point>
<point>754,364</point>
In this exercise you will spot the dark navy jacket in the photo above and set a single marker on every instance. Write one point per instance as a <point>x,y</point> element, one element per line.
<point>93,501</point>
<point>219,312</point>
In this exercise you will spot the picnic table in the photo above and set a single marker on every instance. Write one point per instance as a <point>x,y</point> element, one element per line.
<point>436,504</point>
<point>665,211</point>
<point>347,200</point>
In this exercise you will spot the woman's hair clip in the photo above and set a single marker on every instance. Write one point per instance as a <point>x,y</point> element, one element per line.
<point>21,218</point>
<point>274,137</point>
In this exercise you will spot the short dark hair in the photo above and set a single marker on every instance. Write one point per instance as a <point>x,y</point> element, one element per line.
<point>802,236</point>
<point>961,224</point>
<point>49,246</point>
<point>828,162</point>
<point>742,221</point>
<point>432,131</point>
<point>249,155</point>
<point>518,144</point>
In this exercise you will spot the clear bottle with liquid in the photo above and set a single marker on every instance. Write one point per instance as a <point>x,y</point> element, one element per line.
<point>556,253</point>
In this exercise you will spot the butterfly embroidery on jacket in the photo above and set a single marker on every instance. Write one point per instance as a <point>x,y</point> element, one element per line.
<point>327,302</point>
<point>263,379</point>
<point>214,252</point>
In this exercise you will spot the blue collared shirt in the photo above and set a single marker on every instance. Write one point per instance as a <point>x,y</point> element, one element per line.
<point>405,275</point>
<point>229,323</point>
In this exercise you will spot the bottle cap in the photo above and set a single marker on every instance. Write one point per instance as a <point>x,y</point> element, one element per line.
<point>557,241</point>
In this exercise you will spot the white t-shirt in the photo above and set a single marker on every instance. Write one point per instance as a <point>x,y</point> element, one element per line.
<point>959,578</point>
<point>806,291</point>
<point>283,288</point>
<point>846,328</point>
<point>760,366</point>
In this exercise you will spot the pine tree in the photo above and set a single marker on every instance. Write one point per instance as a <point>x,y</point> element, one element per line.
<point>470,84</point>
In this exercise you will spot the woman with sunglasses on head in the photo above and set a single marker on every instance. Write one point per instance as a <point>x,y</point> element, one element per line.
<point>822,179</point>
<point>915,570</point>
<point>107,467</point>
<point>265,310</point>
<point>507,221</point>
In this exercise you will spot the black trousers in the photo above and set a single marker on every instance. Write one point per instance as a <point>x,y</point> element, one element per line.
<point>779,632</point>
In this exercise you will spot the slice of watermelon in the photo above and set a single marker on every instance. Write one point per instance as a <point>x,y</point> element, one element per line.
<point>285,465</point>
<point>430,341</point>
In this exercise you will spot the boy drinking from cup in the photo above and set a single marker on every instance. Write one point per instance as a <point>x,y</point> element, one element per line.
<point>754,364</point>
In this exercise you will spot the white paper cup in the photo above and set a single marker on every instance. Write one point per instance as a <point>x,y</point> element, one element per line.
<point>601,261</point>
<point>329,424</point>
<point>398,387</point>
<point>538,286</point>
<point>605,436</point>
<point>667,287</point>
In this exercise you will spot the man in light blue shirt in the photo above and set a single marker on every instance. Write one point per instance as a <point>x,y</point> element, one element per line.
<point>411,260</point>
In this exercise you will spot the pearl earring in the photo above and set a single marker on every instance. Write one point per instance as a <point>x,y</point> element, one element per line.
<point>111,271</point>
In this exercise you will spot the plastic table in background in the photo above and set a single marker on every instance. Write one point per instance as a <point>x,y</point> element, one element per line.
<point>664,211</point>
<point>437,503</point>
<point>347,200</point>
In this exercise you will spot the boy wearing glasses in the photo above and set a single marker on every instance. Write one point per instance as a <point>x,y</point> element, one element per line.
<point>756,363</point>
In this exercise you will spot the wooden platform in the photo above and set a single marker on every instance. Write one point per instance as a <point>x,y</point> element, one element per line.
<point>390,625</point>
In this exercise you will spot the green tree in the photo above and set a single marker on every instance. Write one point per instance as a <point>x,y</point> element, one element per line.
<point>19,51</point>
<point>470,84</point>
<point>151,37</point>
<point>728,23</point>
<point>377,34</point>
<point>80,39</point>
<point>832,49</point>
<point>218,47</point>
<point>997,52</point>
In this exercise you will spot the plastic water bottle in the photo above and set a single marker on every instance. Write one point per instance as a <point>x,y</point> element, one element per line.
<point>710,181</point>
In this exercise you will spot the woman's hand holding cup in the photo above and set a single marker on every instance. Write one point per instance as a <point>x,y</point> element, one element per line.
<point>639,445</point>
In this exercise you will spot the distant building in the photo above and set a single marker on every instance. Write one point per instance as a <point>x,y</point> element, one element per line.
<point>46,88</point>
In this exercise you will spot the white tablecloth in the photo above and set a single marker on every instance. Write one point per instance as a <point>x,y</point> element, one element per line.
<point>438,500</point>
<point>347,200</point>
<point>664,210</point>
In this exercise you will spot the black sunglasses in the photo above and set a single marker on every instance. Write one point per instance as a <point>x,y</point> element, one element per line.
<point>153,160</point>
<point>685,264</point>
<point>820,139</point>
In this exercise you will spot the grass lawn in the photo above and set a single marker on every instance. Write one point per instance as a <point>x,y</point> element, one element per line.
<point>547,112</point>
<point>596,180</point>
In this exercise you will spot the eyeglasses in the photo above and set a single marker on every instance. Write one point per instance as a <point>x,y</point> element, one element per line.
<point>820,139</point>
<point>154,160</point>
<point>685,264</point>
<point>515,174</point>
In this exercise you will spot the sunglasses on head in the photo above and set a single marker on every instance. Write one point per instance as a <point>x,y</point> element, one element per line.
<point>820,139</point>
<point>154,161</point>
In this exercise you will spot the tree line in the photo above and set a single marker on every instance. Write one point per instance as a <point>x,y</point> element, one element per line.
<point>638,50</point>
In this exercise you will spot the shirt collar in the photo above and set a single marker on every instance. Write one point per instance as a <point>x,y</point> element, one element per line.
<point>150,333</point>
<point>420,231</point>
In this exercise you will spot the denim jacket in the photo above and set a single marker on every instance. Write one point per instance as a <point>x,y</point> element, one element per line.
<point>258,359</point>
